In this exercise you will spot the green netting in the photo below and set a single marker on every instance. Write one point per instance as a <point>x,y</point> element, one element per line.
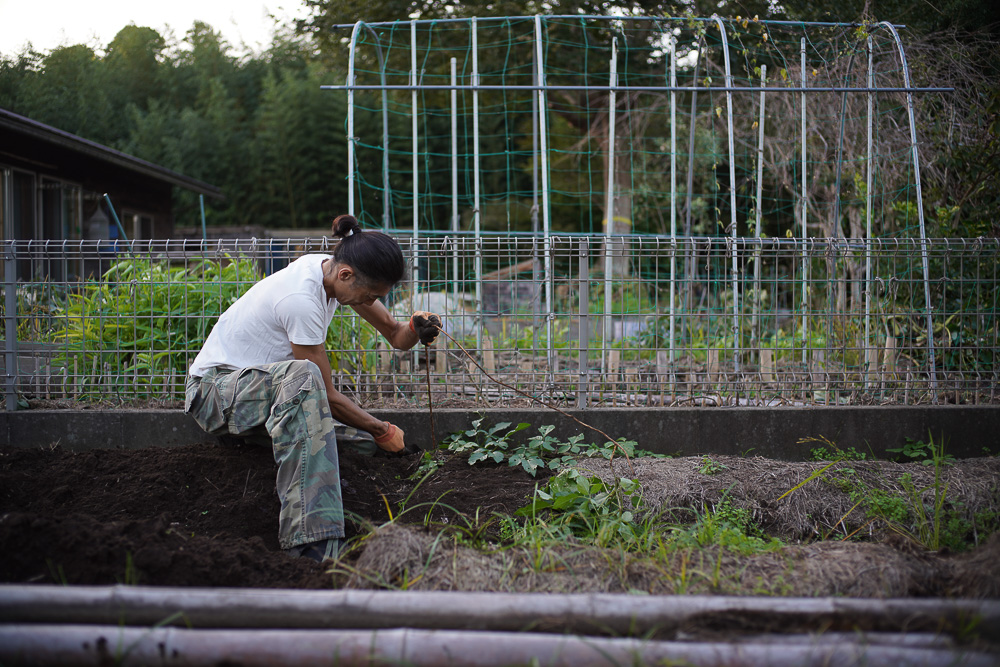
<point>577,53</point>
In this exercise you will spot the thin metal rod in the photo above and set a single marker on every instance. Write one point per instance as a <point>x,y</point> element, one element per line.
<point>673,202</point>
<point>414,130</point>
<point>10,304</point>
<point>870,359</point>
<point>609,210</point>
<point>546,224</point>
<point>415,126</point>
<point>732,200</point>
<point>454,178</point>
<point>591,17</point>
<point>476,212</point>
<point>535,264</point>
<point>758,213</point>
<point>920,215</point>
<point>649,89</point>
<point>583,386</point>
<point>114,216</point>
<point>350,87</point>
<point>352,47</point>
<point>805,208</point>
<point>201,203</point>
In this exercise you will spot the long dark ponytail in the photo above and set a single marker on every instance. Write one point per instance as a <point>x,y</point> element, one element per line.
<point>375,256</point>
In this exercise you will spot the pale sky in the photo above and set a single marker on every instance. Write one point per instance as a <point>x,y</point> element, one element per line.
<point>48,24</point>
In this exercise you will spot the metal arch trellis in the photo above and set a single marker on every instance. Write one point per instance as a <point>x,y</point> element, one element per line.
<point>542,88</point>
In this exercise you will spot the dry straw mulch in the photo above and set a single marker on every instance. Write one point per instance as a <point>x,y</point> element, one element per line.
<point>411,557</point>
<point>811,520</point>
<point>821,509</point>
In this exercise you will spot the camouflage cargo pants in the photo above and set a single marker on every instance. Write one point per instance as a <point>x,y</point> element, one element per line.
<point>284,405</point>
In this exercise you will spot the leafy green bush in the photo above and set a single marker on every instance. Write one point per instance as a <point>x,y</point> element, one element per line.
<point>588,508</point>
<point>144,320</point>
<point>540,451</point>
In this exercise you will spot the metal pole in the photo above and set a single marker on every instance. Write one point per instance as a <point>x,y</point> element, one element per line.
<point>689,262</point>
<point>583,390</point>
<point>673,203</point>
<point>732,198</point>
<point>543,141</point>
<point>869,206</point>
<point>414,126</point>
<point>920,214</point>
<point>350,116</point>
<point>475,187</point>
<point>201,202</point>
<point>454,178</point>
<point>758,211</point>
<point>114,216</point>
<point>609,210</point>
<point>535,267</point>
<point>414,131</point>
<point>10,297</point>
<point>805,263</point>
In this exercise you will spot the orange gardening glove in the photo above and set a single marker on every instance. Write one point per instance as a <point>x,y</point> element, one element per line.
<point>426,326</point>
<point>391,440</point>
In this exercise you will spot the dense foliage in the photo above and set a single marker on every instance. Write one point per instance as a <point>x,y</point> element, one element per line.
<point>259,126</point>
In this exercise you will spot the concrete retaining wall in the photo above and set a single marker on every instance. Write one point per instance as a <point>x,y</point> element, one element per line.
<point>773,432</point>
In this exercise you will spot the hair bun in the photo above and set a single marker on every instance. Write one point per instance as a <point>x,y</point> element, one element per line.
<point>345,225</point>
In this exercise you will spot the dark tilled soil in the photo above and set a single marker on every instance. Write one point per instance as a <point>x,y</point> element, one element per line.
<point>205,515</point>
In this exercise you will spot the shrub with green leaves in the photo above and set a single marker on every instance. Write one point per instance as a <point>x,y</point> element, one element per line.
<point>542,451</point>
<point>588,508</point>
<point>144,320</point>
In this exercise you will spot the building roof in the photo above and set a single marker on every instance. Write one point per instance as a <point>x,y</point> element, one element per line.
<point>26,127</point>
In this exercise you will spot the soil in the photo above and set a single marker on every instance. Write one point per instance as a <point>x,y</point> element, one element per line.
<point>204,515</point>
<point>207,515</point>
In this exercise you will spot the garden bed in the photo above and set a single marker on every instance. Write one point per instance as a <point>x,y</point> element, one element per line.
<point>206,515</point>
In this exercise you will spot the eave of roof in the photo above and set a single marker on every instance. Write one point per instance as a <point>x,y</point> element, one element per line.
<point>22,125</point>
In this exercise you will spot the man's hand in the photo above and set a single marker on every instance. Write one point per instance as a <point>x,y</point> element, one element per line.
<point>391,440</point>
<point>426,325</point>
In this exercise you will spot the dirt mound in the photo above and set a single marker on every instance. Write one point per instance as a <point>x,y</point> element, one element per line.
<point>824,508</point>
<point>401,556</point>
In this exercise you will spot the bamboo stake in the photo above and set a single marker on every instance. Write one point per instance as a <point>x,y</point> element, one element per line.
<point>44,644</point>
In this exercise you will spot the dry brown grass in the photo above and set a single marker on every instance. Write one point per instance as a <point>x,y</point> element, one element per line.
<point>403,556</point>
<point>822,508</point>
<point>812,521</point>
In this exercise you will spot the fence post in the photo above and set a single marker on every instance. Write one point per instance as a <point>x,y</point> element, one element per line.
<point>805,209</point>
<point>673,201</point>
<point>414,127</point>
<point>869,204</point>
<point>758,212</point>
<point>609,209</point>
<point>583,390</point>
<point>476,214</point>
<point>350,117</point>
<point>732,200</point>
<point>10,308</point>
<point>546,223</point>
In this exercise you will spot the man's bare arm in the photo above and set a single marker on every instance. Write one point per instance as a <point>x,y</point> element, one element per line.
<point>343,408</point>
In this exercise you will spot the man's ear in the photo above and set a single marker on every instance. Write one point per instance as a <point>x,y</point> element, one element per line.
<point>345,274</point>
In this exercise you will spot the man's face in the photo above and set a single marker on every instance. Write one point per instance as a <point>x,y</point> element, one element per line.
<point>359,293</point>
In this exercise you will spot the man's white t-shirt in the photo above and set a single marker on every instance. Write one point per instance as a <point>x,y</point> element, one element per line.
<point>289,306</point>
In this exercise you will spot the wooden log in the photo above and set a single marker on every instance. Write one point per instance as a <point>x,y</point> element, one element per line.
<point>767,367</point>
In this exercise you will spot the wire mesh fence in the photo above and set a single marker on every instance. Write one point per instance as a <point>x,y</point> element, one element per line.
<point>692,321</point>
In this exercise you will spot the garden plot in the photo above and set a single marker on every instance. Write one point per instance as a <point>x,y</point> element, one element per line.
<point>206,515</point>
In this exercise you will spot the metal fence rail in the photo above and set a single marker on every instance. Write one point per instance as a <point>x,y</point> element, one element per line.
<point>690,321</point>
